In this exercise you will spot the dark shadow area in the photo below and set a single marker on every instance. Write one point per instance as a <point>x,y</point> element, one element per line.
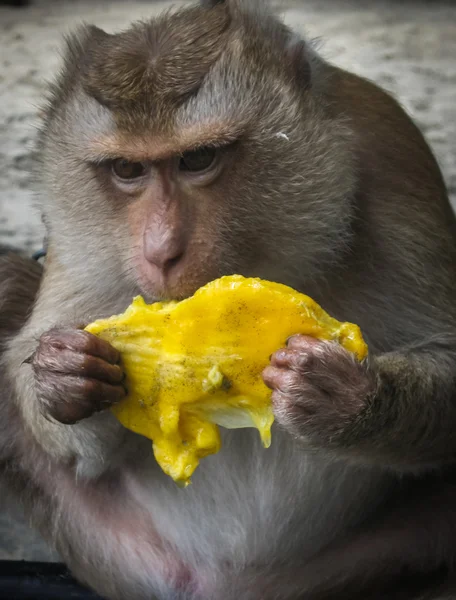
<point>39,581</point>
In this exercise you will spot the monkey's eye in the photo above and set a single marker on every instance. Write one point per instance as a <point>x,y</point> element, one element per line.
<point>125,169</point>
<point>197,160</point>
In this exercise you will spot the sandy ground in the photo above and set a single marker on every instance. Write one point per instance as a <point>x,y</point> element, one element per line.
<point>409,47</point>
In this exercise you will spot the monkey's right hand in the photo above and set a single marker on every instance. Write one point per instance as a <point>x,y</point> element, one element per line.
<point>76,374</point>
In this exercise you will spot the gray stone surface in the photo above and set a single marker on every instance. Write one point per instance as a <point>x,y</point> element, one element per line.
<point>407,46</point>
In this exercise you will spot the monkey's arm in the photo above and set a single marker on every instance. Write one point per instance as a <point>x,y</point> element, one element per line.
<point>410,418</point>
<point>398,409</point>
<point>55,373</point>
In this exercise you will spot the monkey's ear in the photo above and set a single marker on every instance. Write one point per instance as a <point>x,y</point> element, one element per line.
<point>211,3</point>
<point>80,43</point>
<point>245,5</point>
<point>299,58</point>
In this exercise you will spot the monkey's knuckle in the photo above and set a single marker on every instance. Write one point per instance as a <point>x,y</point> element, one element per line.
<point>83,342</point>
<point>91,389</point>
<point>306,362</point>
<point>45,342</point>
<point>86,363</point>
<point>53,341</point>
<point>302,360</point>
<point>287,381</point>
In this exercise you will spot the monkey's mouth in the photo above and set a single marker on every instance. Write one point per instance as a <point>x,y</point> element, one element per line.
<point>180,280</point>
<point>167,288</point>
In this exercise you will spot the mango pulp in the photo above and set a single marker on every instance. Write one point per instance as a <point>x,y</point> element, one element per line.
<point>196,364</point>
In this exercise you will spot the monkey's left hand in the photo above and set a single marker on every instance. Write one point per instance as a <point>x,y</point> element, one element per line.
<point>318,389</point>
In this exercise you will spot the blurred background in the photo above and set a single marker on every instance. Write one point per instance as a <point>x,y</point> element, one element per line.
<point>407,46</point>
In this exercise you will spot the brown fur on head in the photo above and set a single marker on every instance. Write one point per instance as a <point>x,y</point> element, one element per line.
<point>153,67</point>
<point>224,77</point>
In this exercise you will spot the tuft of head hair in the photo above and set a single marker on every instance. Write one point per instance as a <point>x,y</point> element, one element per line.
<point>166,58</point>
<point>157,65</point>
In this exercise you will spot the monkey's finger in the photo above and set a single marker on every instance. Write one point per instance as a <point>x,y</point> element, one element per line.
<point>70,399</point>
<point>103,394</point>
<point>69,362</point>
<point>80,341</point>
<point>303,342</point>
<point>278,379</point>
<point>290,358</point>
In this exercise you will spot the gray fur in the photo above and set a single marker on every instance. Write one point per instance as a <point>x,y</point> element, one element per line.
<point>333,191</point>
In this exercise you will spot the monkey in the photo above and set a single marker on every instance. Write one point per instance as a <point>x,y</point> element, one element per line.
<point>208,141</point>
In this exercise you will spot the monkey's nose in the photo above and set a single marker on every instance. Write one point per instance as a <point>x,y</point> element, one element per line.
<point>163,250</point>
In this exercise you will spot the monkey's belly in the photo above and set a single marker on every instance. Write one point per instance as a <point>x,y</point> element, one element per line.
<point>247,510</point>
<point>249,507</point>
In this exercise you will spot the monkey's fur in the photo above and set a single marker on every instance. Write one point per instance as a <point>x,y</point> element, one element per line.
<point>324,184</point>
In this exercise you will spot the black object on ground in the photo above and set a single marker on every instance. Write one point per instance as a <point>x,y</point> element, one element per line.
<point>17,3</point>
<point>21,580</point>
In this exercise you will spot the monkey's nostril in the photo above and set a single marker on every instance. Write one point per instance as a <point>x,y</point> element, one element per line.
<point>171,262</point>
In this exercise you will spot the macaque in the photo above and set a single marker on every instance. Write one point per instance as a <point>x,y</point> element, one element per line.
<point>214,140</point>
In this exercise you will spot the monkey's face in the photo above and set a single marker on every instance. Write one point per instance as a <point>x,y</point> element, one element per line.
<point>175,217</point>
<point>185,149</point>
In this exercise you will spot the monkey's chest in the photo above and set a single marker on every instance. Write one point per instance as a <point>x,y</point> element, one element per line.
<point>248,505</point>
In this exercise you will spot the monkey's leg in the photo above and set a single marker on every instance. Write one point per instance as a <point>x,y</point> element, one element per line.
<point>408,552</point>
<point>19,283</point>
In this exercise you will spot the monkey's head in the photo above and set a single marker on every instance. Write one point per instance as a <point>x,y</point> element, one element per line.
<point>191,146</point>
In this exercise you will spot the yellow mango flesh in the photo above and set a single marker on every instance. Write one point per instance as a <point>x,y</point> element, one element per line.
<point>196,364</point>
